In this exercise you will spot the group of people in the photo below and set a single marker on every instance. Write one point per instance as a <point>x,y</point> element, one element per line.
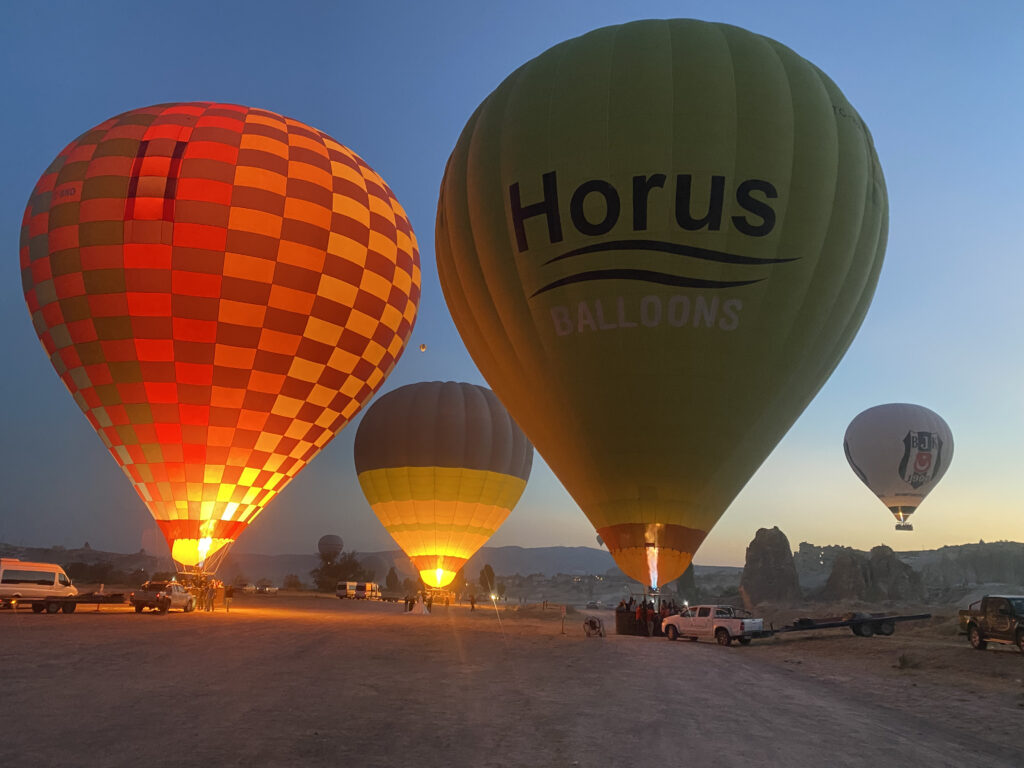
<point>423,602</point>
<point>644,608</point>
<point>206,594</point>
<point>418,604</point>
<point>648,615</point>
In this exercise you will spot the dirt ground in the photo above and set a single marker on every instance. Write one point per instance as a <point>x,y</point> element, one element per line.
<point>298,681</point>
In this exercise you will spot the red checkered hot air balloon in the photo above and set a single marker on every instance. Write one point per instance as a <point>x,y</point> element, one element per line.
<point>220,288</point>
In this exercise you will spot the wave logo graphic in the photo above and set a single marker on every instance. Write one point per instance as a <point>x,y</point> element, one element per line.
<point>652,276</point>
<point>755,217</point>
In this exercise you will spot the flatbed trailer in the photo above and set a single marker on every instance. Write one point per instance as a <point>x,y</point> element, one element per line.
<point>68,604</point>
<point>861,624</point>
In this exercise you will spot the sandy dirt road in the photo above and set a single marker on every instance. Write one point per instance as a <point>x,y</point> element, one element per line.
<point>308,682</point>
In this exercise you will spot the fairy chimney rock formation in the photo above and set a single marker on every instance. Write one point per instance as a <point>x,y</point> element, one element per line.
<point>769,575</point>
<point>891,578</point>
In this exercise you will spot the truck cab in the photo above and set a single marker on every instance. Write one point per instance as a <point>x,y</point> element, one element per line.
<point>996,619</point>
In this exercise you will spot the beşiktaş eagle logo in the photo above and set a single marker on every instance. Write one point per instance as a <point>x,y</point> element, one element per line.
<point>755,219</point>
<point>922,457</point>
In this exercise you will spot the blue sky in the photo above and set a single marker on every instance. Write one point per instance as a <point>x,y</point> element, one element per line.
<point>937,83</point>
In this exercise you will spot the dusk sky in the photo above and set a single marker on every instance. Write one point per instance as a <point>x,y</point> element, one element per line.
<point>938,84</point>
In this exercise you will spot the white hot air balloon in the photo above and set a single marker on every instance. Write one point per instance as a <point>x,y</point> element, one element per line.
<point>900,451</point>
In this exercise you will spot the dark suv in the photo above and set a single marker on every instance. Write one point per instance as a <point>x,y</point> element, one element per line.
<point>995,619</point>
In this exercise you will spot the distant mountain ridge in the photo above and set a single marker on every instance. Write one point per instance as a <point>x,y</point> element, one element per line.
<point>947,566</point>
<point>505,561</point>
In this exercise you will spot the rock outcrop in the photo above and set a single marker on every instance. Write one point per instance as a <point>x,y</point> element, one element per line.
<point>877,576</point>
<point>814,564</point>
<point>849,577</point>
<point>891,578</point>
<point>1000,562</point>
<point>769,575</point>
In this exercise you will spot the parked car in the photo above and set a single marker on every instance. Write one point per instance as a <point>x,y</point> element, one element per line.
<point>162,596</point>
<point>721,623</point>
<point>266,589</point>
<point>995,619</point>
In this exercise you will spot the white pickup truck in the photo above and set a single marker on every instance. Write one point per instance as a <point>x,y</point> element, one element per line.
<point>722,623</point>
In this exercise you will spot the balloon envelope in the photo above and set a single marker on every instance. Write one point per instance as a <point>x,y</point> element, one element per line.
<point>657,240</point>
<point>330,546</point>
<point>899,451</point>
<point>442,464</point>
<point>220,288</point>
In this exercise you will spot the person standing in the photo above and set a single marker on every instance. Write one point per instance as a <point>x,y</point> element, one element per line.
<point>229,592</point>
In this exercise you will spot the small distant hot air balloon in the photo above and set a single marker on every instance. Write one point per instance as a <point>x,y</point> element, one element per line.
<point>330,546</point>
<point>657,241</point>
<point>423,347</point>
<point>220,288</point>
<point>899,451</point>
<point>442,464</point>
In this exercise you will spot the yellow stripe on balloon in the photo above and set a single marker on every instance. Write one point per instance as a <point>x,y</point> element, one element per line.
<point>441,484</point>
<point>473,530</point>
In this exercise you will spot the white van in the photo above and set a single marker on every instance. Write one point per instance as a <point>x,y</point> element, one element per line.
<point>24,581</point>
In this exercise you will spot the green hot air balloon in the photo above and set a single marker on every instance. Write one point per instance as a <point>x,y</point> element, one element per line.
<point>657,240</point>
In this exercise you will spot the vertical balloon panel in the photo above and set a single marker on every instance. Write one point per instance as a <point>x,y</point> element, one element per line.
<point>657,241</point>
<point>220,288</point>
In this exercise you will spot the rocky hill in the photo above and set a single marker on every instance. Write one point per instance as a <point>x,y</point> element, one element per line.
<point>879,576</point>
<point>943,572</point>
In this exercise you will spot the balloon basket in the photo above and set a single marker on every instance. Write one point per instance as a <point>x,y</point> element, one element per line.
<point>193,579</point>
<point>904,527</point>
<point>630,619</point>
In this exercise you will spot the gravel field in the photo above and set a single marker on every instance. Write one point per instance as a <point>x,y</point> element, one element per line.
<point>302,681</point>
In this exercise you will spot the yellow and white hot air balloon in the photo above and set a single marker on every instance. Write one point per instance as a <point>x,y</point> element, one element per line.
<point>442,464</point>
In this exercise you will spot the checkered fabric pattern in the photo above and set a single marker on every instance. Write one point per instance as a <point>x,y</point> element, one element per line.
<point>220,288</point>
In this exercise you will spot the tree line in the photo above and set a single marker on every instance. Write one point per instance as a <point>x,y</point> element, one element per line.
<point>345,566</point>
